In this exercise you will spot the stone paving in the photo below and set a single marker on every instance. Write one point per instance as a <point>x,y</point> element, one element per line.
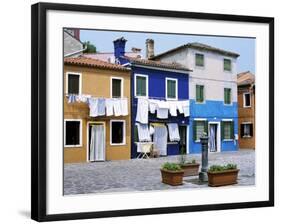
<point>144,174</point>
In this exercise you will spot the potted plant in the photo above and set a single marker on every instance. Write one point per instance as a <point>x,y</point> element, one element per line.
<point>172,174</point>
<point>222,175</point>
<point>190,168</point>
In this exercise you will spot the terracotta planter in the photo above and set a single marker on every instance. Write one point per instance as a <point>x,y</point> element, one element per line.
<point>173,178</point>
<point>191,169</point>
<point>222,178</point>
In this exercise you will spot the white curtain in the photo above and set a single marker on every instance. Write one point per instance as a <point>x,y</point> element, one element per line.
<point>160,139</point>
<point>97,144</point>
<point>212,138</point>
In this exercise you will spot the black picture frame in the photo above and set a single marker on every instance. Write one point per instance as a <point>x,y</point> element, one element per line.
<point>38,110</point>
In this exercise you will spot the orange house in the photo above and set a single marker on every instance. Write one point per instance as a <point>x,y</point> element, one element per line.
<point>105,136</point>
<point>246,110</point>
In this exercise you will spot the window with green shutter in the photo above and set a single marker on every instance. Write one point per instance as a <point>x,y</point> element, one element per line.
<point>199,60</point>
<point>199,93</point>
<point>141,87</point>
<point>116,88</point>
<point>227,130</point>
<point>171,88</point>
<point>227,96</point>
<point>226,64</point>
<point>198,128</point>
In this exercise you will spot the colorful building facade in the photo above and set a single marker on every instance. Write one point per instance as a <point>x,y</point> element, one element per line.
<point>212,92</point>
<point>88,137</point>
<point>246,110</point>
<point>157,82</point>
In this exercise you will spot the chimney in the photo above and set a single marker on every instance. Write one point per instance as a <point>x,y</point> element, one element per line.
<point>149,48</point>
<point>119,50</point>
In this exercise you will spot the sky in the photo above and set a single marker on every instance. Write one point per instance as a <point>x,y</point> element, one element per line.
<point>103,40</point>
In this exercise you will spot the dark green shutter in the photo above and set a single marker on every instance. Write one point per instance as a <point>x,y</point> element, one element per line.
<point>201,93</point>
<point>194,130</point>
<point>232,129</point>
<point>206,127</point>
<point>222,130</point>
<point>197,93</point>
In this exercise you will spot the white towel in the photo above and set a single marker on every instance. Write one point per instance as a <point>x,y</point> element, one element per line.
<point>142,111</point>
<point>109,107</point>
<point>173,108</point>
<point>185,107</point>
<point>163,104</point>
<point>117,107</point>
<point>143,132</point>
<point>179,107</point>
<point>174,134</point>
<point>101,107</point>
<point>162,113</point>
<point>124,106</point>
<point>152,106</point>
<point>93,105</point>
<point>162,109</point>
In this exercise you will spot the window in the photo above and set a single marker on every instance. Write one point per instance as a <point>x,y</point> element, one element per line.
<point>227,130</point>
<point>73,83</point>
<point>247,100</point>
<point>246,130</point>
<point>171,88</point>
<point>199,93</point>
<point>73,133</point>
<point>116,87</point>
<point>226,64</point>
<point>199,126</point>
<point>227,96</point>
<point>141,85</point>
<point>199,60</point>
<point>117,132</point>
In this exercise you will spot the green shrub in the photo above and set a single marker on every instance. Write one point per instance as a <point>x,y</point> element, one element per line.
<point>171,166</point>
<point>218,168</point>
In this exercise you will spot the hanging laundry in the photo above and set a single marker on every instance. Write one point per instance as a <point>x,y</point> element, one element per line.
<point>124,106</point>
<point>142,111</point>
<point>173,108</point>
<point>152,106</point>
<point>93,104</point>
<point>185,107</point>
<point>143,132</point>
<point>117,107</point>
<point>109,107</point>
<point>71,98</point>
<point>83,98</point>
<point>174,134</point>
<point>101,107</point>
<point>179,106</point>
<point>162,109</point>
<point>160,139</point>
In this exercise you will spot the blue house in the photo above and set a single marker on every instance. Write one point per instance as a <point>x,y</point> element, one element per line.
<point>160,102</point>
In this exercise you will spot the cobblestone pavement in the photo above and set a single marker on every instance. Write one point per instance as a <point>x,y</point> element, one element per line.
<point>144,174</point>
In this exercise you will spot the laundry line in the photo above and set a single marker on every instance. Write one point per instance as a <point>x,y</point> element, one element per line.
<point>93,96</point>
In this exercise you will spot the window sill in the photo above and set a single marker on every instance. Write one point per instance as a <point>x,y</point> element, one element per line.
<point>117,144</point>
<point>73,146</point>
<point>228,140</point>
<point>200,102</point>
<point>247,136</point>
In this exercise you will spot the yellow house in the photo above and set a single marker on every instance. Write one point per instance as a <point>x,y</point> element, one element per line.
<point>100,137</point>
